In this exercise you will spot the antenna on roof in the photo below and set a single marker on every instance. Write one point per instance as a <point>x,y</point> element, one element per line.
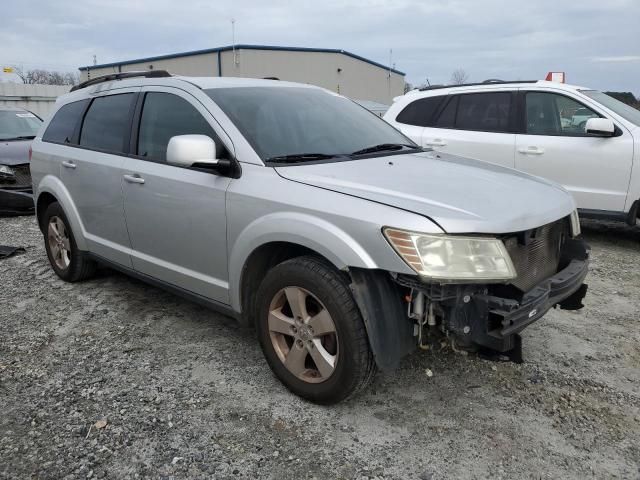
<point>95,61</point>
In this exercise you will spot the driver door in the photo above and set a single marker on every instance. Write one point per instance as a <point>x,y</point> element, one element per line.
<point>175,215</point>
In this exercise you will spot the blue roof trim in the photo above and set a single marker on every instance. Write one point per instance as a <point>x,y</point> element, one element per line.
<point>243,47</point>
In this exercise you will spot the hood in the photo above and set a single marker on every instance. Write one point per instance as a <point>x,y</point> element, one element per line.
<point>459,194</point>
<point>14,152</point>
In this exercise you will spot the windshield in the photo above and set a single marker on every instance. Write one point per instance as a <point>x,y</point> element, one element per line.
<point>18,124</point>
<point>308,123</point>
<point>625,111</point>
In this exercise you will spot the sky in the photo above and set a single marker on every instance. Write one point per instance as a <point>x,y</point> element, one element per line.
<point>596,42</point>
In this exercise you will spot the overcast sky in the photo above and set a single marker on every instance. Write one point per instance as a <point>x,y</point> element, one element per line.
<point>596,42</point>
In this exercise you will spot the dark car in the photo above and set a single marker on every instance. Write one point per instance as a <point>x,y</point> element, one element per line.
<point>17,129</point>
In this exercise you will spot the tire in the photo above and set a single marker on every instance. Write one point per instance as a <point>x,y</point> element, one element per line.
<point>69,263</point>
<point>346,364</point>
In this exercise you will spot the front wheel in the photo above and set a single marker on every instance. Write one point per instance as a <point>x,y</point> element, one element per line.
<point>311,331</point>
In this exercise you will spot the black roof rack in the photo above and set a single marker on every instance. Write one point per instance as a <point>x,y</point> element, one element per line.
<point>491,81</point>
<point>121,76</point>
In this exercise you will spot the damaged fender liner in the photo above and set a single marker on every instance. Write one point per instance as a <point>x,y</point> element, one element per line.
<point>390,331</point>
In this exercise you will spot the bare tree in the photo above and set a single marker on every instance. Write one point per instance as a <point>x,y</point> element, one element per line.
<point>459,76</point>
<point>46,77</point>
<point>407,87</point>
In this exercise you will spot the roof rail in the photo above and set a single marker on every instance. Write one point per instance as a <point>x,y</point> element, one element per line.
<point>491,81</point>
<point>122,76</point>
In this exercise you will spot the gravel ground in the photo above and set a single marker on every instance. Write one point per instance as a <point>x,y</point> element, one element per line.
<point>112,378</point>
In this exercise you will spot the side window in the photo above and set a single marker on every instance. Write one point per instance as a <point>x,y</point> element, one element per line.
<point>106,123</point>
<point>485,112</point>
<point>164,116</point>
<point>420,112</point>
<point>553,114</point>
<point>64,122</point>
<point>447,117</point>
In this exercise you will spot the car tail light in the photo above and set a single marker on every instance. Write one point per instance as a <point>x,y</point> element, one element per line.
<point>30,154</point>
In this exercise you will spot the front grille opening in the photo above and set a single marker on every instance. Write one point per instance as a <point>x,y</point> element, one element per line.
<point>536,253</point>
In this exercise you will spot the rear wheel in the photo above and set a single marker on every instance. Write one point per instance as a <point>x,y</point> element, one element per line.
<point>311,331</point>
<point>67,261</point>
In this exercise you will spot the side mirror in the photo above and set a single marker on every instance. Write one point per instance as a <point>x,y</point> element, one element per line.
<point>187,150</point>
<point>600,127</point>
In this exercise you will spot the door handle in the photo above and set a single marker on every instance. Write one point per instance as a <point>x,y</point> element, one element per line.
<point>436,143</point>
<point>531,150</point>
<point>135,178</point>
<point>68,164</point>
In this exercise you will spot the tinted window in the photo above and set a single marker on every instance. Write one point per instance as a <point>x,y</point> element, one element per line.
<point>281,121</point>
<point>552,114</point>
<point>64,122</point>
<point>164,116</point>
<point>106,123</point>
<point>447,118</point>
<point>485,112</point>
<point>420,112</point>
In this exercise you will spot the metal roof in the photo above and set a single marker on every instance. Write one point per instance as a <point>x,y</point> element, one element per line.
<point>242,47</point>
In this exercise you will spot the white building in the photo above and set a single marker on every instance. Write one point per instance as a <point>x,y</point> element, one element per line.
<point>338,70</point>
<point>39,99</point>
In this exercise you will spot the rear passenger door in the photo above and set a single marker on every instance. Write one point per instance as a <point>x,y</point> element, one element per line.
<point>92,170</point>
<point>176,215</point>
<point>476,125</point>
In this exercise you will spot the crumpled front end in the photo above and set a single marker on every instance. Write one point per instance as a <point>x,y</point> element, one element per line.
<point>16,191</point>
<point>551,268</point>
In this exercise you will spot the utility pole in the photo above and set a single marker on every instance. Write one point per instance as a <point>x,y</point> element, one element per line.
<point>389,72</point>
<point>233,40</point>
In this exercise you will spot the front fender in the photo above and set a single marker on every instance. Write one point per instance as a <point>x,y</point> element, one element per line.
<point>319,235</point>
<point>52,184</point>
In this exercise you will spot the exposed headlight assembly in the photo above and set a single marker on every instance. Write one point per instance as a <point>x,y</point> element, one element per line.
<point>452,258</point>
<point>6,172</point>
<point>575,224</point>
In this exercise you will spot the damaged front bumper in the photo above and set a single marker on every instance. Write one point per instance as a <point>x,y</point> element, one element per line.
<point>16,201</point>
<point>489,317</point>
<point>565,289</point>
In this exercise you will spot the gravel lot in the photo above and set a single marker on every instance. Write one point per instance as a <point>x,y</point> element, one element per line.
<point>116,379</point>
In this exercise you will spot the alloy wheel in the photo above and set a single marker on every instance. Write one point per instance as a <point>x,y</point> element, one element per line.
<point>303,334</point>
<point>59,242</point>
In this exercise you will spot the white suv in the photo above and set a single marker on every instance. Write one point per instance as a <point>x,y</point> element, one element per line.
<point>581,138</point>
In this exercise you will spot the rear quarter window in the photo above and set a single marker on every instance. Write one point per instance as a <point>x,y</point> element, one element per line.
<point>64,122</point>
<point>421,112</point>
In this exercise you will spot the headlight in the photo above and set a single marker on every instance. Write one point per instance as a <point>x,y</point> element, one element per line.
<point>453,258</point>
<point>575,224</point>
<point>6,171</point>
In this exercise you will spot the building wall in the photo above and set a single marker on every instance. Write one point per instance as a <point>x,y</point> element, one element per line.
<point>205,65</point>
<point>39,99</point>
<point>356,79</point>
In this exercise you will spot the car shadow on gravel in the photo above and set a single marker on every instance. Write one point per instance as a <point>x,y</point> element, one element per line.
<point>609,232</point>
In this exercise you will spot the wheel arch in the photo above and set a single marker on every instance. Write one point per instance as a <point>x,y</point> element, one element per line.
<point>264,242</point>
<point>51,189</point>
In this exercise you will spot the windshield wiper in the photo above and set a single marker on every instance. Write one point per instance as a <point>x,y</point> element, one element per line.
<point>385,147</point>
<point>21,137</point>
<point>300,157</point>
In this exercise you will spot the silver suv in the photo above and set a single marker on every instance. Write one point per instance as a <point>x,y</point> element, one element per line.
<point>300,213</point>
